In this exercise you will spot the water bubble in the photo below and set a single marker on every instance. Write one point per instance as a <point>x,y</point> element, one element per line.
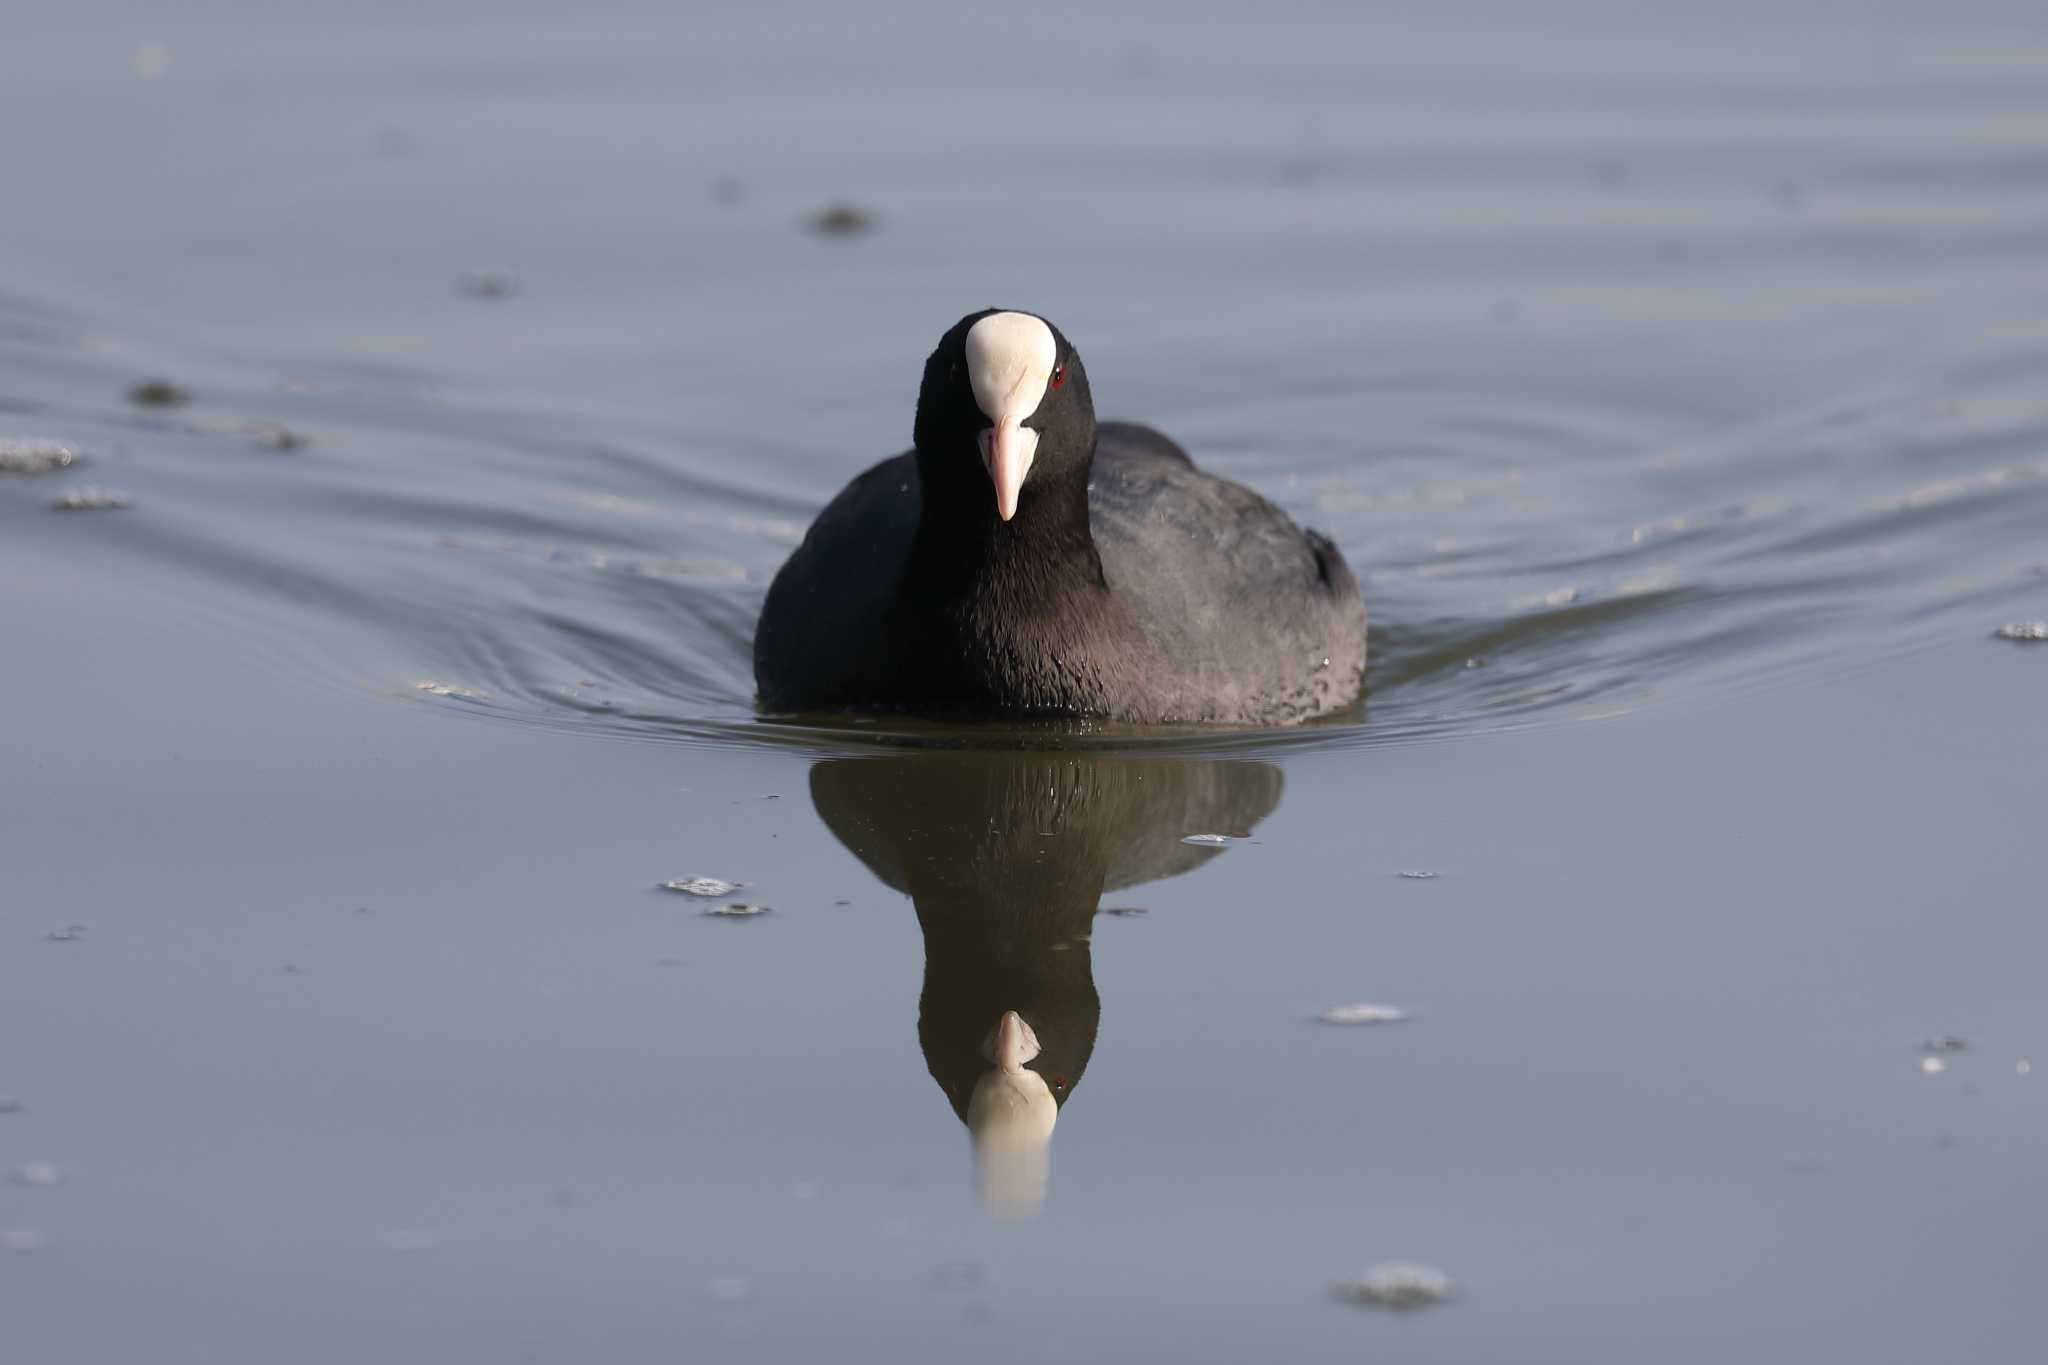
<point>29,458</point>
<point>1418,875</point>
<point>1932,1066</point>
<point>37,1175</point>
<point>2023,632</point>
<point>1400,1285</point>
<point>2023,1067</point>
<point>90,500</point>
<point>1362,1014</point>
<point>701,886</point>
<point>736,910</point>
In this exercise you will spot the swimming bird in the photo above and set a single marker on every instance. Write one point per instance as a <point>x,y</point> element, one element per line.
<point>1023,560</point>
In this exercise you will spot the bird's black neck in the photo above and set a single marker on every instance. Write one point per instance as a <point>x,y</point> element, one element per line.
<point>1041,557</point>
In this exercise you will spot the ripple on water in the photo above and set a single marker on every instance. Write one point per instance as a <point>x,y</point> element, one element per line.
<point>1536,550</point>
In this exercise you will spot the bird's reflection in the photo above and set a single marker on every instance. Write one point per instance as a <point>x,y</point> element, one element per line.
<point>1007,857</point>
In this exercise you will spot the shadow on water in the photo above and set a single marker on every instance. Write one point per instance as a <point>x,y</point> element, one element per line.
<point>1007,857</point>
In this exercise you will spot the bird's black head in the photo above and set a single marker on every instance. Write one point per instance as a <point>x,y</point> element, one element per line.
<point>1004,414</point>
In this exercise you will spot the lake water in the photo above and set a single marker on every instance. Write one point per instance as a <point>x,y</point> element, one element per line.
<point>1675,380</point>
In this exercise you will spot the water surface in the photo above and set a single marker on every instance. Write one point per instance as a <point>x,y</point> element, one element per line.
<point>1673,380</point>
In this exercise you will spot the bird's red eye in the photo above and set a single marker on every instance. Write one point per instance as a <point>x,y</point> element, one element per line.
<point>1059,375</point>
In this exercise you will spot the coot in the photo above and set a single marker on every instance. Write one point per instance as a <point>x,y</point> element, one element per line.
<point>1023,561</point>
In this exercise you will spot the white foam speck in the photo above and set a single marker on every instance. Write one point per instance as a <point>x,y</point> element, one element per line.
<point>90,500</point>
<point>1363,1014</point>
<point>441,689</point>
<point>29,457</point>
<point>736,910</point>
<point>701,886</point>
<point>1399,1285</point>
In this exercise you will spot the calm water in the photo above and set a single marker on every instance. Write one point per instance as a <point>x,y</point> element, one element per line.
<point>1676,382</point>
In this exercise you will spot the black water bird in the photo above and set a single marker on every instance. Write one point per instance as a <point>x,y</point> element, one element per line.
<point>1024,561</point>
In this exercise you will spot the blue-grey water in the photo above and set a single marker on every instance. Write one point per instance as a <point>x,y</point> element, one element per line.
<point>1674,378</point>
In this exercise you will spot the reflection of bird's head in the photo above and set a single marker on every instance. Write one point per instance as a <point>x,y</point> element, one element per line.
<point>1047,987</point>
<point>1010,1117</point>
